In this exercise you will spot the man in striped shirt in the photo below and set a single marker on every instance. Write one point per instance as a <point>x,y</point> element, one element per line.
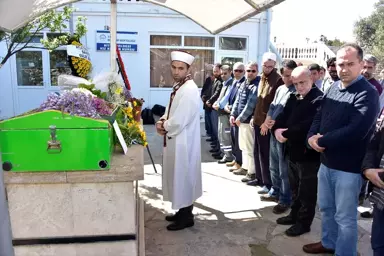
<point>241,115</point>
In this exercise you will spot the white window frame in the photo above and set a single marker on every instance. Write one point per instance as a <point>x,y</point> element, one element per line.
<point>182,47</point>
<point>233,36</point>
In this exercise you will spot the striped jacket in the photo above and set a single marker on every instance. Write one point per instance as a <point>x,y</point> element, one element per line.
<point>246,100</point>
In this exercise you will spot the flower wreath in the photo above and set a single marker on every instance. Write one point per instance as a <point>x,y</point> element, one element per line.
<point>79,66</point>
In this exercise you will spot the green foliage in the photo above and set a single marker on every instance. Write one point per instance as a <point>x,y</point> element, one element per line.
<point>369,31</point>
<point>96,92</point>
<point>130,129</point>
<point>335,42</point>
<point>54,21</point>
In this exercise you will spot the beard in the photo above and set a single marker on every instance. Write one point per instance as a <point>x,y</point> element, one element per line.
<point>367,75</point>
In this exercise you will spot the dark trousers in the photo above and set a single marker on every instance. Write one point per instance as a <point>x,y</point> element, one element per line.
<point>215,128</point>
<point>363,191</point>
<point>208,122</point>
<point>236,151</point>
<point>377,235</point>
<point>261,153</point>
<point>303,182</point>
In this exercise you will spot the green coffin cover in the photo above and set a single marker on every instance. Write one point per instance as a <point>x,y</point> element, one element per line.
<point>80,143</point>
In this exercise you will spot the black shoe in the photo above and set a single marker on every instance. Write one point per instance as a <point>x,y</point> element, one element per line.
<point>366,215</point>
<point>209,140</point>
<point>179,225</point>
<point>248,177</point>
<point>172,217</point>
<point>183,220</point>
<point>254,183</point>
<point>297,230</point>
<point>280,208</point>
<point>214,150</point>
<point>286,220</point>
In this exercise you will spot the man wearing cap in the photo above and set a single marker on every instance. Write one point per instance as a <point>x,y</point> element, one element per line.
<point>180,127</point>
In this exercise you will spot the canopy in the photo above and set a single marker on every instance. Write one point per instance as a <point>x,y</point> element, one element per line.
<point>213,15</point>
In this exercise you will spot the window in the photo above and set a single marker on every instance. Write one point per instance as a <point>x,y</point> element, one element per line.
<point>29,66</point>
<point>58,65</point>
<point>233,43</point>
<point>55,35</point>
<point>166,40</point>
<point>34,40</point>
<point>160,58</point>
<point>199,41</point>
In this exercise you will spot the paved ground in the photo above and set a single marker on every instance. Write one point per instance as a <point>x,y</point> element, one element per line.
<point>230,218</point>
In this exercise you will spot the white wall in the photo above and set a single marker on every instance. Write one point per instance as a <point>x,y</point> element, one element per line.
<point>145,19</point>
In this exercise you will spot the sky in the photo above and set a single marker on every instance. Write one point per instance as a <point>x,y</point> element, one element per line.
<point>295,20</point>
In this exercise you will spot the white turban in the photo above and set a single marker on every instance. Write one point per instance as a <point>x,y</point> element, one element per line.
<point>183,57</point>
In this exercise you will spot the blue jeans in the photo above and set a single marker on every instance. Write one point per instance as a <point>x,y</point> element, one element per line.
<point>377,238</point>
<point>338,198</point>
<point>278,166</point>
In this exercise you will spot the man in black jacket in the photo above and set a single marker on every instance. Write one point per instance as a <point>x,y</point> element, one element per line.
<point>291,127</point>
<point>206,93</point>
<point>373,171</point>
<point>216,89</point>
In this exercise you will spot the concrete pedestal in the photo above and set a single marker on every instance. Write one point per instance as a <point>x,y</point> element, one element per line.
<point>78,213</point>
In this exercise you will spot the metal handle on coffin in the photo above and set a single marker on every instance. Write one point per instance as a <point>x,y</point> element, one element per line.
<point>54,145</point>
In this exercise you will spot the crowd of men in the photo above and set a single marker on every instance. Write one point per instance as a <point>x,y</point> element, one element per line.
<point>306,136</point>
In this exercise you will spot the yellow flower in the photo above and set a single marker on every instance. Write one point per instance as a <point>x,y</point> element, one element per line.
<point>134,103</point>
<point>145,144</point>
<point>119,90</point>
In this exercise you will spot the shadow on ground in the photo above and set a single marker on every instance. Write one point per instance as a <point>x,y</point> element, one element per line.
<point>230,218</point>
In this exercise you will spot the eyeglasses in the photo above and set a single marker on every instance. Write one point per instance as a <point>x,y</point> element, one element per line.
<point>253,71</point>
<point>238,70</point>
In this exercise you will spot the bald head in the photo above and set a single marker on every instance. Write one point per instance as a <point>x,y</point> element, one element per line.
<point>301,77</point>
<point>301,70</point>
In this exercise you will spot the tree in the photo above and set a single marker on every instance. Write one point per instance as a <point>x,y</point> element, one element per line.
<point>335,42</point>
<point>53,21</point>
<point>369,31</point>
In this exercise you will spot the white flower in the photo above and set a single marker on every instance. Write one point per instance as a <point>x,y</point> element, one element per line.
<point>85,91</point>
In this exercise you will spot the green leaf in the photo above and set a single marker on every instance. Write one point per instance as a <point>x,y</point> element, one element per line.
<point>369,32</point>
<point>54,21</point>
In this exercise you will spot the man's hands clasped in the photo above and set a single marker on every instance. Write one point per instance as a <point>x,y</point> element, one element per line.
<point>160,128</point>
<point>313,142</point>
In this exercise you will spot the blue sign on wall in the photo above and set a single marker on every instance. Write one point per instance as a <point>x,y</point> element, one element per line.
<point>126,41</point>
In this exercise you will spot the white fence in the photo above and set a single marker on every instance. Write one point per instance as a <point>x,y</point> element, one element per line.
<point>316,52</point>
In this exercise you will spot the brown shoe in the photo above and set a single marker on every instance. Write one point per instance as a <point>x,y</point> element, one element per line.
<point>269,198</point>
<point>317,248</point>
<point>241,171</point>
<point>235,167</point>
<point>231,164</point>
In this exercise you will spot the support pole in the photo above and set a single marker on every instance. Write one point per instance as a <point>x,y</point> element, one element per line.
<point>6,247</point>
<point>112,32</point>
